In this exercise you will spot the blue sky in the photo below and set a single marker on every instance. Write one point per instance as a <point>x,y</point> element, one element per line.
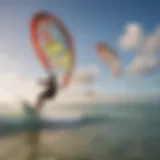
<point>89,22</point>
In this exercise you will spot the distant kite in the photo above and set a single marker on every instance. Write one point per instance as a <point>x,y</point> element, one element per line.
<point>110,57</point>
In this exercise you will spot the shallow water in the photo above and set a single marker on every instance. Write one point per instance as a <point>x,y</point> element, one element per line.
<point>132,132</point>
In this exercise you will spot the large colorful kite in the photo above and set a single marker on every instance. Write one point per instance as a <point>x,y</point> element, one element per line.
<point>53,45</point>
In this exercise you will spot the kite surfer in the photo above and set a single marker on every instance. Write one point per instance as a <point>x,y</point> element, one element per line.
<point>54,48</point>
<point>50,91</point>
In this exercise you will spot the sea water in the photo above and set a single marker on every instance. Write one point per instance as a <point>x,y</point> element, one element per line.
<point>132,132</point>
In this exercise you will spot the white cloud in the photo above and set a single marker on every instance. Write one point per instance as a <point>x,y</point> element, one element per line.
<point>146,61</point>
<point>142,65</point>
<point>75,96</point>
<point>131,37</point>
<point>86,76</point>
<point>151,42</point>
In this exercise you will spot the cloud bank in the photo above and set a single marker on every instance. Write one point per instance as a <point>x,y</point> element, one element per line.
<point>86,76</point>
<point>142,65</point>
<point>131,37</point>
<point>16,86</point>
<point>13,83</point>
<point>147,47</point>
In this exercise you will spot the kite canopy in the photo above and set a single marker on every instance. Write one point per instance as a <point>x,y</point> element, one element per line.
<point>110,57</point>
<point>53,45</point>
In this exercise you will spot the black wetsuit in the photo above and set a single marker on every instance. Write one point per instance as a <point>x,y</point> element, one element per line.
<point>51,88</point>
